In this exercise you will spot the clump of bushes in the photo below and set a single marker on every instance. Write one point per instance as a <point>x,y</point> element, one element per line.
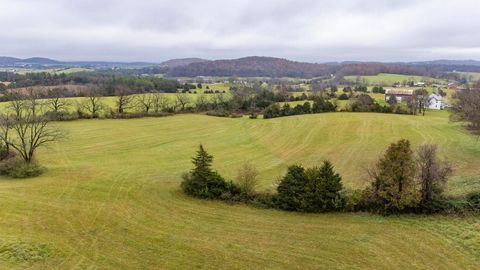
<point>15,167</point>
<point>404,181</point>
<point>221,113</point>
<point>473,200</point>
<point>62,116</point>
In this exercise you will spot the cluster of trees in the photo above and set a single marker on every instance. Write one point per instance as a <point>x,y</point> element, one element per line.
<point>317,189</point>
<point>307,190</point>
<point>365,103</point>
<point>402,181</point>
<point>417,104</point>
<point>107,80</point>
<point>320,105</point>
<point>378,89</point>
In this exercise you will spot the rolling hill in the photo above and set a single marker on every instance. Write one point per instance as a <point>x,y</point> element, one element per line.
<point>110,198</point>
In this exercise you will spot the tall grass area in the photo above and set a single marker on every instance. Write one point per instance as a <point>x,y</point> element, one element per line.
<point>110,198</point>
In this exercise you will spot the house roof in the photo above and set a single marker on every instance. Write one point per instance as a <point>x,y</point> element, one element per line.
<point>399,92</point>
<point>435,96</point>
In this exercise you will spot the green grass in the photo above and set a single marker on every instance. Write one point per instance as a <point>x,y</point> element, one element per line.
<point>110,198</point>
<point>110,102</point>
<point>388,79</point>
<point>53,70</point>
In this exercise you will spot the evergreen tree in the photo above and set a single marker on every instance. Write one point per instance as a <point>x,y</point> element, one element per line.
<point>394,187</point>
<point>311,190</point>
<point>203,182</point>
<point>332,185</point>
<point>292,189</point>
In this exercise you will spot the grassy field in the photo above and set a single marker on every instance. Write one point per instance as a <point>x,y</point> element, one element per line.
<point>110,102</point>
<point>52,70</point>
<point>387,78</point>
<point>111,200</point>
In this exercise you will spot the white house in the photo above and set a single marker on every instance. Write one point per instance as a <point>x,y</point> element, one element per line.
<point>435,102</point>
<point>419,84</point>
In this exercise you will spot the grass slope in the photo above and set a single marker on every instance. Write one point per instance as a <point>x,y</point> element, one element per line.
<point>388,78</point>
<point>111,198</point>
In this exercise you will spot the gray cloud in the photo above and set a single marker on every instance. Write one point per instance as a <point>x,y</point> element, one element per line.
<point>317,31</point>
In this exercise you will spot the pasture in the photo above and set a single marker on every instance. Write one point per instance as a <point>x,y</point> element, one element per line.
<point>389,79</point>
<point>110,198</point>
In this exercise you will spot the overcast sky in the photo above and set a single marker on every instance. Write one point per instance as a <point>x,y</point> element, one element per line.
<point>305,30</point>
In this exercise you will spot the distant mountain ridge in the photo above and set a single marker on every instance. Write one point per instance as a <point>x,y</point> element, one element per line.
<point>261,66</point>
<point>43,62</point>
<point>258,66</point>
<point>173,63</point>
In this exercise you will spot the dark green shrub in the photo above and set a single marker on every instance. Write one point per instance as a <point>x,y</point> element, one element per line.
<point>272,111</point>
<point>219,113</point>
<point>311,190</point>
<point>264,200</point>
<point>4,151</point>
<point>353,200</point>
<point>62,116</point>
<point>292,189</point>
<point>474,200</point>
<point>7,164</point>
<point>17,168</point>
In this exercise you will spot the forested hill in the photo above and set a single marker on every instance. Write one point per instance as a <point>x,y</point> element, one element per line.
<point>257,66</point>
<point>253,67</point>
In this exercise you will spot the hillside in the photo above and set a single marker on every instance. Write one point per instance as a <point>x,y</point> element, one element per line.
<point>257,66</point>
<point>111,197</point>
<point>254,66</point>
<point>6,61</point>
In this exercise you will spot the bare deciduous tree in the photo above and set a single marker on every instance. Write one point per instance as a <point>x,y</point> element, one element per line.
<point>124,97</point>
<point>201,104</point>
<point>145,102</point>
<point>182,100</point>
<point>5,126</point>
<point>57,101</point>
<point>160,102</point>
<point>432,173</point>
<point>30,131</point>
<point>247,178</point>
<point>93,102</point>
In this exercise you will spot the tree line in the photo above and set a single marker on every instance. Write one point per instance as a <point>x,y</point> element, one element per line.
<point>107,80</point>
<point>403,180</point>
